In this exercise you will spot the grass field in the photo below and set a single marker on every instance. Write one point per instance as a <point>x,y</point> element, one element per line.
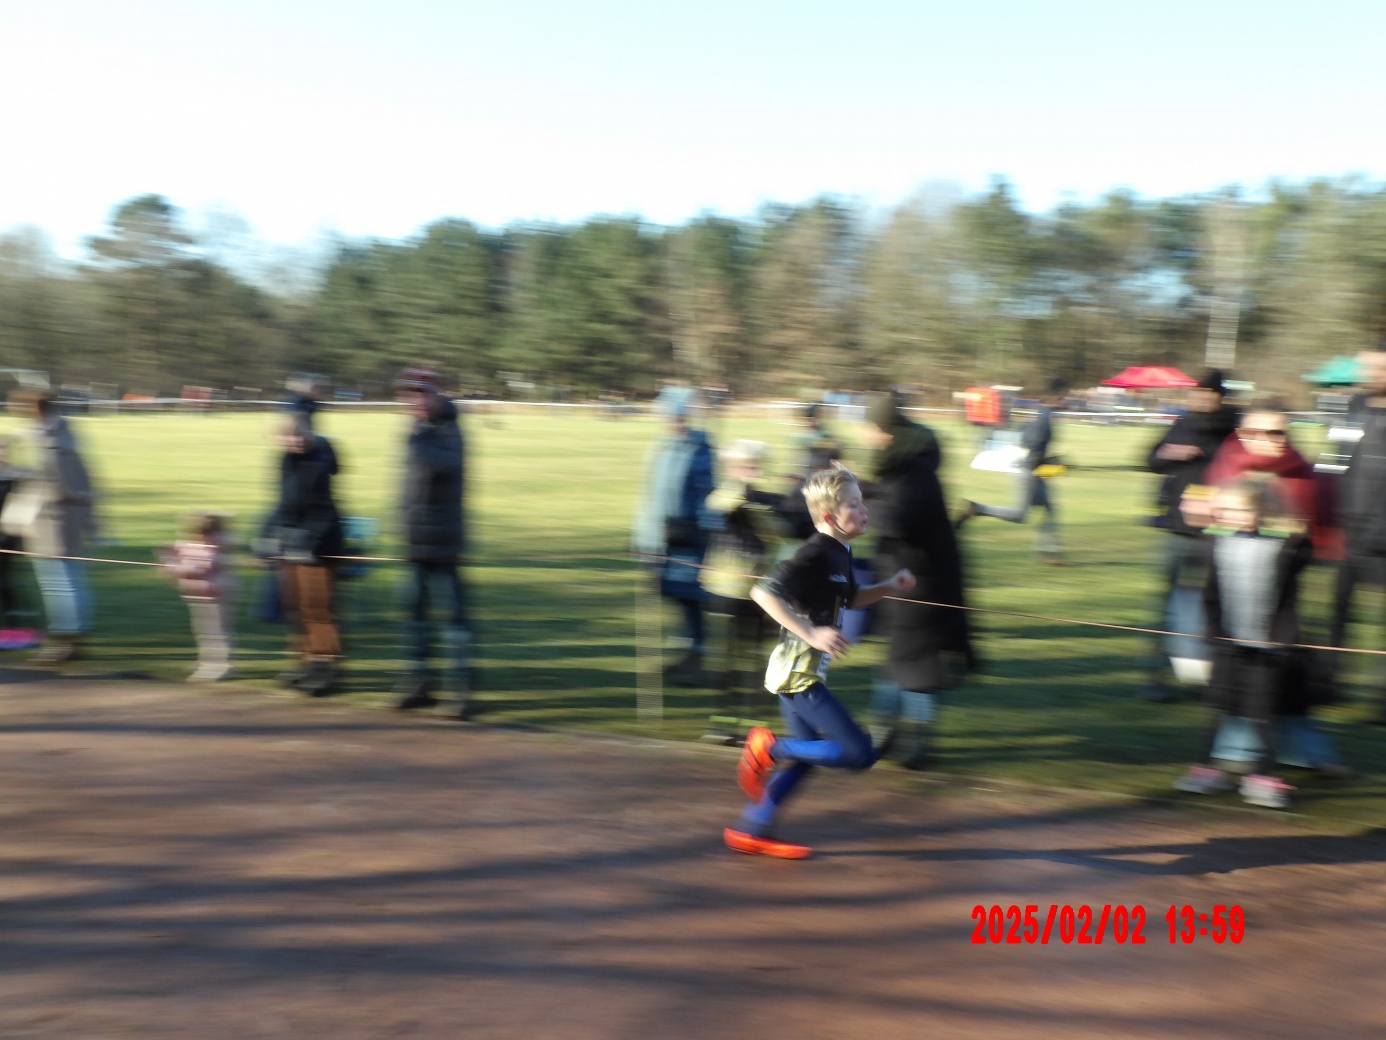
<point>551,502</point>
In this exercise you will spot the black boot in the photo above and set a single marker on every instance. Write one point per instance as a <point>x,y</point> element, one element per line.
<point>912,744</point>
<point>687,671</point>
<point>320,679</point>
<point>292,677</point>
<point>415,691</point>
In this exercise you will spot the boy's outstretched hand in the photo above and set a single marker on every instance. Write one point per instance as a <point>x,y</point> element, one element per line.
<point>829,640</point>
<point>902,580</point>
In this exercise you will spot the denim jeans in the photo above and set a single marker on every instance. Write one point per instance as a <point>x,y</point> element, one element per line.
<point>1182,610</point>
<point>436,589</point>
<point>66,598</point>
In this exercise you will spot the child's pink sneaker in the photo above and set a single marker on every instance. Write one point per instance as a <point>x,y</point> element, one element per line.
<point>1269,792</point>
<point>1204,780</point>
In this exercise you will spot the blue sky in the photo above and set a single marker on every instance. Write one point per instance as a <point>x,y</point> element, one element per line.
<point>308,117</point>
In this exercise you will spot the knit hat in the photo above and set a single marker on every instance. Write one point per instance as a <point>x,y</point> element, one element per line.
<point>418,380</point>
<point>1212,380</point>
<point>884,411</point>
<point>675,402</point>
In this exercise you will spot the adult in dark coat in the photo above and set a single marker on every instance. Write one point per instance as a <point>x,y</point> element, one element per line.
<point>431,508</point>
<point>1181,458</point>
<point>1363,502</point>
<point>307,528</point>
<point>910,516</point>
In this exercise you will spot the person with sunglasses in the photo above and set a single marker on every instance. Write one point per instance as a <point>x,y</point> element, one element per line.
<point>1261,444</point>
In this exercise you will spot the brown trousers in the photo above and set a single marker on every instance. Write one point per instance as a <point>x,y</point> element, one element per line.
<point>309,597</point>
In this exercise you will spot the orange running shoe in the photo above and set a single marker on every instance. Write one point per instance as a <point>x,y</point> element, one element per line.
<point>756,764</point>
<point>740,841</point>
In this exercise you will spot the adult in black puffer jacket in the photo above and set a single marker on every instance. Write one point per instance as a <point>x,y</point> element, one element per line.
<point>431,508</point>
<point>1181,457</point>
<point>431,504</point>
<point>910,515</point>
<point>308,528</point>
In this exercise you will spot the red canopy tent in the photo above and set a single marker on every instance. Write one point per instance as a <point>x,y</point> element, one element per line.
<point>1150,377</point>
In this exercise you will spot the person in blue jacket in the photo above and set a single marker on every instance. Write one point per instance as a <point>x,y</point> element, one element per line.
<point>672,522</point>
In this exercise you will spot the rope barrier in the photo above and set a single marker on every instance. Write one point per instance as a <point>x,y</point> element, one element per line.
<point>654,559</point>
<point>1056,620</point>
<point>78,559</point>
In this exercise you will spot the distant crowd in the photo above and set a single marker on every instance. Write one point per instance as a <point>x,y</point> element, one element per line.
<point>1243,514</point>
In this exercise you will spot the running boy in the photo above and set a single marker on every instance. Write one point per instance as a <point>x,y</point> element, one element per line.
<point>807,595</point>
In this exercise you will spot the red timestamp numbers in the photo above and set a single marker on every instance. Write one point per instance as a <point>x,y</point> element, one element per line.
<point>1064,924</point>
<point>1221,924</point>
<point>1123,925</point>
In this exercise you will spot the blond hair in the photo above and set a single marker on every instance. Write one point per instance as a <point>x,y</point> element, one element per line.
<point>826,488</point>
<point>745,451</point>
<point>1269,499</point>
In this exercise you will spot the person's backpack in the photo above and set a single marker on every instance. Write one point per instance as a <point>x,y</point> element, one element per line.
<point>359,535</point>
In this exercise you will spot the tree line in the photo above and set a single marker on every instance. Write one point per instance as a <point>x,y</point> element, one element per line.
<point>941,292</point>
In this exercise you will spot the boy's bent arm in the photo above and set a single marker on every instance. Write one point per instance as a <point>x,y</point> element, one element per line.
<point>901,581</point>
<point>825,638</point>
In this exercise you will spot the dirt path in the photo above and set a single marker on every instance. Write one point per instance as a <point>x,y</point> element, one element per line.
<point>180,864</point>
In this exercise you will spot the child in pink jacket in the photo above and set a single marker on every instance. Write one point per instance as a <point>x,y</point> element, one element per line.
<point>199,564</point>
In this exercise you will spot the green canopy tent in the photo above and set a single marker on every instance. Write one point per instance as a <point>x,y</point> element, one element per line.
<point>1338,371</point>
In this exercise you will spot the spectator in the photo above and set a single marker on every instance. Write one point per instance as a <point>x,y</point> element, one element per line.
<point>1262,445</point>
<point>435,539</point>
<point>815,449</point>
<point>671,525</point>
<point>747,532</point>
<point>1261,448</point>
<point>305,390</point>
<point>1255,558</point>
<point>910,515</point>
<point>198,563</point>
<point>10,479</point>
<point>307,528</point>
<point>1182,458</point>
<point>816,446</point>
<point>1363,496</point>
<point>64,519</point>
